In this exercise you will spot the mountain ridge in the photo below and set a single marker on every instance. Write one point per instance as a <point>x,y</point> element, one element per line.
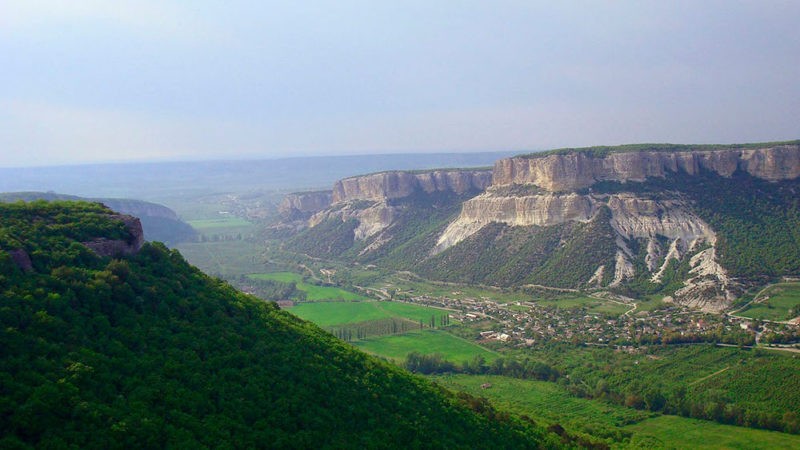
<point>660,217</point>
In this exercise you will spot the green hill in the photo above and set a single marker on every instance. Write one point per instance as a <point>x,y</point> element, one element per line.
<point>158,222</point>
<point>148,352</point>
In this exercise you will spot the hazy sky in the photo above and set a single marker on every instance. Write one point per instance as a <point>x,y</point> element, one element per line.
<point>100,80</point>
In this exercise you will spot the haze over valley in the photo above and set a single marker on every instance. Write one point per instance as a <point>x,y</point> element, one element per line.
<point>411,225</point>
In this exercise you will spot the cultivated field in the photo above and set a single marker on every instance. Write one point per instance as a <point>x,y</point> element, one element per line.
<point>398,346</point>
<point>204,225</point>
<point>327,314</point>
<point>679,432</point>
<point>314,293</point>
<point>224,258</point>
<point>619,425</point>
<point>775,303</point>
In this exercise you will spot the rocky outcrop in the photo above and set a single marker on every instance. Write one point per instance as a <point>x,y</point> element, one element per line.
<point>21,260</point>
<point>393,185</point>
<point>541,210</point>
<point>304,204</point>
<point>368,199</point>
<point>118,247</point>
<point>578,170</point>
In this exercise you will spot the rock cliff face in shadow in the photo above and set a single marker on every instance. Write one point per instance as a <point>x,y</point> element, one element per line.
<point>118,247</point>
<point>392,185</point>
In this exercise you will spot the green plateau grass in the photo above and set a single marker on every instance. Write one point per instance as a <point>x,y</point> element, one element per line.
<point>782,298</point>
<point>222,222</point>
<point>327,314</point>
<point>679,432</point>
<point>398,346</point>
<point>314,293</point>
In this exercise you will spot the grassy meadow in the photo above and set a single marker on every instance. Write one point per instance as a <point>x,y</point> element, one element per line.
<point>775,302</point>
<point>314,293</point>
<point>620,426</point>
<point>205,225</point>
<point>327,314</point>
<point>680,432</point>
<point>223,258</point>
<point>397,346</point>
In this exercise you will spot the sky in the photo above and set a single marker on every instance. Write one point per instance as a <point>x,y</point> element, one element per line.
<point>99,81</point>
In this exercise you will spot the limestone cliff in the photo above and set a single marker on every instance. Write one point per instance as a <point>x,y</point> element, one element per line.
<point>575,170</point>
<point>536,216</point>
<point>367,211</point>
<point>393,185</point>
<point>634,219</point>
<point>304,204</point>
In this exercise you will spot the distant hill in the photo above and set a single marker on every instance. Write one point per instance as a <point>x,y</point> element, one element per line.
<point>159,181</point>
<point>145,351</point>
<point>160,223</point>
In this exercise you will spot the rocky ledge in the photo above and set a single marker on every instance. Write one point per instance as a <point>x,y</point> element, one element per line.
<point>398,184</point>
<point>118,247</point>
<point>575,170</point>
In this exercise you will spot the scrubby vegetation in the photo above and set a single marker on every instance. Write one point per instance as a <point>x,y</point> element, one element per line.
<point>757,222</point>
<point>602,150</point>
<point>565,255</point>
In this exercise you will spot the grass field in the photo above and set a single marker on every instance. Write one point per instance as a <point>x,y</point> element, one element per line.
<point>550,403</point>
<point>228,258</point>
<point>679,432</point>
<point>779,299</point>
<point>314,293</point>
<point>592,305</point>
<point>203,225</point>
<point>397,346</point>
<point>327,314</point>
<point>452,291</point>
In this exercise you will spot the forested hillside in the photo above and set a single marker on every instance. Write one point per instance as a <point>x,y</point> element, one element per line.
<point>148,352</point>
<point>158,222</point>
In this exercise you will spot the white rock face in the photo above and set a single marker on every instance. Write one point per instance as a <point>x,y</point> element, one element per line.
<point>541,210</point>
<point>573,171</point>
<point>632,217</point>
<point>371,220</point>
<point>391,185</point>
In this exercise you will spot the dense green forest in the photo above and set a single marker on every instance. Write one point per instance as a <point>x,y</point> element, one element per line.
<point>148,352</point>
<point>159,223</point>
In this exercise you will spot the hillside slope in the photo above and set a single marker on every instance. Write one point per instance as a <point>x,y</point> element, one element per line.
<point>144,351</point>
<point>159,222</point>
